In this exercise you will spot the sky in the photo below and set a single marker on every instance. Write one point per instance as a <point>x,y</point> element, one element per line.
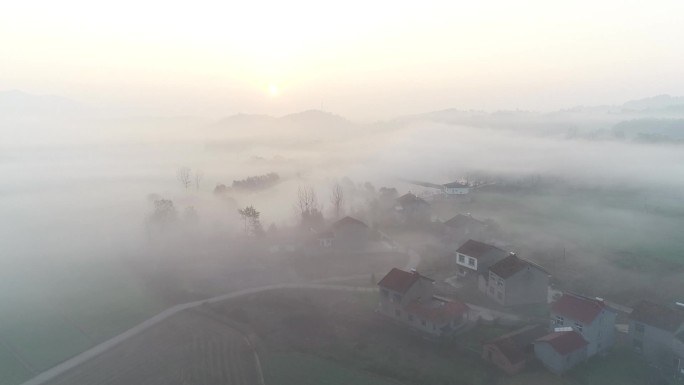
<point>364,60</point>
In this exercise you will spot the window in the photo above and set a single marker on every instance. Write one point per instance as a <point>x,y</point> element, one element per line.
<point>500,282</point>
<point>639,328</point>
<point>579,327</point>
<point>397,313</point>
<point>396,298</point>
<point>471,261</point>
<point>559,321</point>
<point>461,258</point>
<point>423,322</point>
<point>385,293</point>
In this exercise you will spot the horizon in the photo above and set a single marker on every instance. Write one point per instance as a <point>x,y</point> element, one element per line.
<point>364,61</point>
<point>120,112</point>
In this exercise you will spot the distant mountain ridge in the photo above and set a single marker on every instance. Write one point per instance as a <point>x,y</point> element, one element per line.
<point>19,103</point>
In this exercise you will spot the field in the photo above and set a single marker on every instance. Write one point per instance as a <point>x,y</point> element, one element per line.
<point>188,348</point>
<point>54,313</point>
<point>321,337</point>
<point>303,369</point>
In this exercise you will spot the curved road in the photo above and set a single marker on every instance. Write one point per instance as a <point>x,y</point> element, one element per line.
<point>98,349</point>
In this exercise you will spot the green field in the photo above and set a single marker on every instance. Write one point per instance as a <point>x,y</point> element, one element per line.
<point>304,369</point>
<point>52,312</point>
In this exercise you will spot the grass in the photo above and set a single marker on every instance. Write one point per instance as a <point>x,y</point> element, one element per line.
<point>619,367</point>
<point>12,372</point>
<point>302,369</point>
<point>52,312</point>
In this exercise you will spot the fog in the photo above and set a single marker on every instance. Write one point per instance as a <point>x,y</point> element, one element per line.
<point>86,252</point>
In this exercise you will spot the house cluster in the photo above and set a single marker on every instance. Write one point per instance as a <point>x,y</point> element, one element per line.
<point>579,327</point>
<point>408,297</point>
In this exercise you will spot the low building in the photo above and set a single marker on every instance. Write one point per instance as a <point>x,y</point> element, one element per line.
<point>474,258</point>
<point>350,233</point>
<point>657,332</point>
<point>455,188</point>
<point>561,350</point>
<point>410,208</point>
<point>510,352</point>
<point>589,317</point>
<point>465,224</point>
<point>408,298</point>
<point>514,281</point>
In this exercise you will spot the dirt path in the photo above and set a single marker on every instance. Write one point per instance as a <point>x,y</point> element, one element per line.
<point>104,346</point>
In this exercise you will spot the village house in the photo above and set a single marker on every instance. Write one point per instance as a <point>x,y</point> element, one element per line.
<point>474,258</point>
<point>465,225</point>
<point>591,318</point>
<point>408,298</point>
<point>349,233</point>
<point>657,332</point>
<point>561,350</point>
<point>455,188</point>
<point>410,208</point>
<point>510,352</point>
<point>514,281</point>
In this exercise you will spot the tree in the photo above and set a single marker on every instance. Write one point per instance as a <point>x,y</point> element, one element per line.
<point>308,208</point>
<point>198,179</point>
<point>250,217</point>
<point>337,198</point>
<point>164,213</point>
<point>184,178</point>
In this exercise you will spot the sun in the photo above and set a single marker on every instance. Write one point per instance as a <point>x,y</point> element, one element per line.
<point>273,90</point>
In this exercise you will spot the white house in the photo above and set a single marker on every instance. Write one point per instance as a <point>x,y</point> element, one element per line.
<point>456,188</point>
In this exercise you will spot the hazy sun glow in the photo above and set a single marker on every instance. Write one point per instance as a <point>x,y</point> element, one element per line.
<point>273,90</point>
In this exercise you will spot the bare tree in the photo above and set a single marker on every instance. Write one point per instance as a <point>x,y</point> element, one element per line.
<point>337,198</point>
<point>198,179</point>
<point>308,208</point>
<point>184,177</point>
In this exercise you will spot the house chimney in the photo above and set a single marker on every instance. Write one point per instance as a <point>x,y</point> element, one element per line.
<point>413,271</point>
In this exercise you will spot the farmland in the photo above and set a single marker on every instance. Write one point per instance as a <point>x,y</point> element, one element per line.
<point>188,348</point>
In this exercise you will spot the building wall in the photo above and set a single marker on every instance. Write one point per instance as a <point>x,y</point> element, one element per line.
<point>556,362</point>
<point>600,333</point>
<point>456,190</point>
<point>655,344</point>
<point>525,287</point>
<point>466,260</point>
<point>350,236</point>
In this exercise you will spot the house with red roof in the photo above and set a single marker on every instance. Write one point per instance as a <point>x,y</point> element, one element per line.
<point>511,351</point>
<point>657,332</point>
<point>515,281</point>
<point>408,298</point>
<point>561,350</point>
<point>591,318</point>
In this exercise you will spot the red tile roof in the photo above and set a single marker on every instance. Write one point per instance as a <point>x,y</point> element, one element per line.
<point>512,345</point>
<point>659,316</point>
<point>400,280</point>
<point>437,310</point>
<point>578,308</point>
<point>564,342</point>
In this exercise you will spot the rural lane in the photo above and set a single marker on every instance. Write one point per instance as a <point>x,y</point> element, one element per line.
<point>104,346</point>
